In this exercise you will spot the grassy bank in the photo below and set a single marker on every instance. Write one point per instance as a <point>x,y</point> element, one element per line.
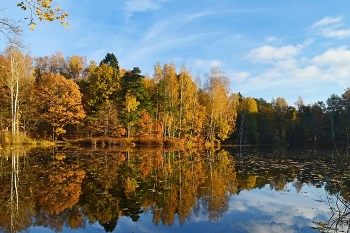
<point>21,139</point>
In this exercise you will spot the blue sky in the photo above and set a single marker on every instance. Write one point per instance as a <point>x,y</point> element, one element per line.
<point>267,48</point>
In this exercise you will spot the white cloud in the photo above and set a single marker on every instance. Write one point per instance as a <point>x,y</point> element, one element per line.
<point>327,20</point>
<point>269,53</point>
<point>337,60</point>
<point>332,65</point>
<point>307,72</point>
<point>329,27</point>
<point>340,34</point>
<point>297,75</point>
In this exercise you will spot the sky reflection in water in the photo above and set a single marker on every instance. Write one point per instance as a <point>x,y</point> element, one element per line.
<point>258,210</point>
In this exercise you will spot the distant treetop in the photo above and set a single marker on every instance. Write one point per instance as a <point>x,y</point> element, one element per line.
<point>110,60</point>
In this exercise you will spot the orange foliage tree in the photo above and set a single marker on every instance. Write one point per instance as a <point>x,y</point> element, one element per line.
<point>58,101</point>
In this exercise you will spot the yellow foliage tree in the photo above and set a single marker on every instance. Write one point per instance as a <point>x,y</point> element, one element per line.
<point>131,105</point>
<point>220,111</point>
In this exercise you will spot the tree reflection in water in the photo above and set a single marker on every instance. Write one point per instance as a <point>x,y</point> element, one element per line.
<point>14,212</point>
<point>338,197</point>
<point>13,202</point>
<point>339,220</point>
<point>70,187</point>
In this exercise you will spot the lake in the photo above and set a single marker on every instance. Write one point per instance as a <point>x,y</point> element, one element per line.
<point>233,189</point>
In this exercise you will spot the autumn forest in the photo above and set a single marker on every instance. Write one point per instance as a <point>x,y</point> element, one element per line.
<point>66,98</point>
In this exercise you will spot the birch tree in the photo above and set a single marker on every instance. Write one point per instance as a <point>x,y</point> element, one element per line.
<point>166,97</point>
<point>17,73</point>
<point>188,101</point>
<point>217,87</point>
<point>171,92</point>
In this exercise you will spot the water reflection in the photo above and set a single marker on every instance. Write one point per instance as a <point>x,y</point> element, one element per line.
<point>12,215</point>
<point>339,220</point>
<point>74,188</point>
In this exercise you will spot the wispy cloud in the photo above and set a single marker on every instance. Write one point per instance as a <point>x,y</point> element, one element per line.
<point>215,12</point>
<point>327,20</point>
<point>165,44</point>
<point>330,27</point>
<point>340,34</point>
<point>171,23</point>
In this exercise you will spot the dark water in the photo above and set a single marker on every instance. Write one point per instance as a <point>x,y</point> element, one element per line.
<point>229,190</point>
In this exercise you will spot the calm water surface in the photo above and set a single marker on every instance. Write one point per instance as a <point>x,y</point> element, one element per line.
<point>229,190</point>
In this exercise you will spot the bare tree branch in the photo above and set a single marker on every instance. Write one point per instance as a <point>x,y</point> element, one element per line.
<point>9,27</point>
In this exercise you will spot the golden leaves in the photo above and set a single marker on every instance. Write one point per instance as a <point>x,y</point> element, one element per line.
<point>44,10</point>
<point>58,100</point>
<point>130,186</point>
<point>131,102</point>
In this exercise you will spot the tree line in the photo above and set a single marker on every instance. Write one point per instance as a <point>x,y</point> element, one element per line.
<point>55,96</point>
<point>47,97</point>
<point>321,124</point>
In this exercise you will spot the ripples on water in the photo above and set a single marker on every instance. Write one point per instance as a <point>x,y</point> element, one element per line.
<point>233,190</point>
